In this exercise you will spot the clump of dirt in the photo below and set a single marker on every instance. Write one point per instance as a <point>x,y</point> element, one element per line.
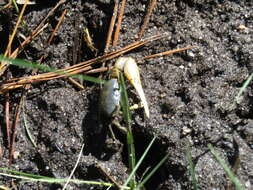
<point>189,93</point>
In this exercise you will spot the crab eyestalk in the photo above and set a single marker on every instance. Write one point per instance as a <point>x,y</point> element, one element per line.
<point>131,71</point>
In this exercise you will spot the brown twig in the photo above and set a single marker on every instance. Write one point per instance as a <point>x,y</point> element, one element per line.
<point>35,32</point>
<point>151,6</point>
<point>75,69</point>
<point>109,33</point>
<point>8,5</point>
<point>40,27</point>
<point>4,65</point>
<point>57,27</point>
<point>106,174</point>
<point>77,84</point>
<point>120,17</point>
<point>112,23</point>
<point>168,52</point>
<point>7,117</point>
<point>16,27</point>
<point>98,70</point>
<point>89,41</point>
<point>15,53</point>
<point>48,15</point>
<point>14,131</point>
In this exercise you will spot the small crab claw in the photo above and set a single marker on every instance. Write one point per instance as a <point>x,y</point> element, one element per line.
<point>131,71</point>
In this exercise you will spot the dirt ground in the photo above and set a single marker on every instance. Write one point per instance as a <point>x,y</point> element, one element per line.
<point>189,93</point>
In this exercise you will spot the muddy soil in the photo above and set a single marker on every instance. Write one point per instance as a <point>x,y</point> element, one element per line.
<point>189,93</point>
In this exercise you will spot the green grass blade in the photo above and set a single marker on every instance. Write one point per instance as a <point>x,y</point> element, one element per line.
<point>192,169</point>
<point>131,150</point>
<point>127,118</point>
<point>56,180</point>
<point>230,174</point>
<point>139,162</point>
<point>27,64</point>
<point>38,178</point>
<point>22,173</point>
<point>243,88</point>
<point>15,5</point>
<point>152,172</point>
<point>124,102</point>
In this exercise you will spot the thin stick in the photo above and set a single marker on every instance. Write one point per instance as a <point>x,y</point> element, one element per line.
<point>120,17</point>
<point>16,27</point>
<point>57,26</point>
<point>75,69</point>
<point>8,5</point>
<point>18,49</point>
<point>27,41</point>
<point>3,65</point>
<point>40,26</point>
<point>7,117</point>
<point>48,15</point>
<point>14,131</point>
<point>77,84</point>
<point>105,173</point>
<point>109,34</point>
<point>151,6</point>
<point>89,41</point>
<point>35,32</point>
<point>74,169</point>
<point>98,70</point>
<point>74,82</point>
<point>113,19</point>
<point>168,52</point>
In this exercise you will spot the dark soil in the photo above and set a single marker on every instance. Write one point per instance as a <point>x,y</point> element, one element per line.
<point>190,94</point>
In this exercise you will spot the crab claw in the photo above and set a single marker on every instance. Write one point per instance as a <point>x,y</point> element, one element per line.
<point>131,71</point>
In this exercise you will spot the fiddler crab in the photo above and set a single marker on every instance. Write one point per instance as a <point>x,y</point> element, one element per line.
<point>110,96</point>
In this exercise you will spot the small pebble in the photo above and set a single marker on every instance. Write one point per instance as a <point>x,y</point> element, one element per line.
<point>186,131</point>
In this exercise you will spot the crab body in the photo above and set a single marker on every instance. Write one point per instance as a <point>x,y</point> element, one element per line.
<point>109,97</point>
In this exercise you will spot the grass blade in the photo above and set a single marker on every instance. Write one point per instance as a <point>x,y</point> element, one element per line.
<point>38,178</point>
<point>152,172</point>
<point>192,169</point>
<point>127,118</point>
<point>22,173</point>
<point>230,174</point>
<point>243,88</point>
<point>139,162</point>
<point>124,102</point>
<point>15,5</point>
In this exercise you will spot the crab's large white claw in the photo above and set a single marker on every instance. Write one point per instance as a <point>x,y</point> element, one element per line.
<point>131,71</point>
